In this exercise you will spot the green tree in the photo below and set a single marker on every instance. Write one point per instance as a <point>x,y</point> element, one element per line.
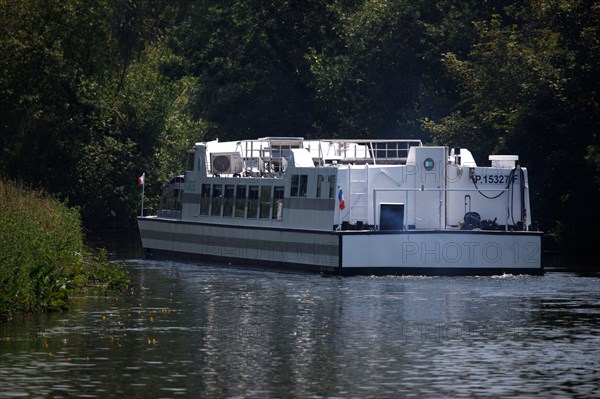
<point>368,81</point>
<point>526,88</point>
<point>383,71</point>
<point>142,126</point>
<point>249,58</point>
<point>47,48</point>
<point>85,104</point>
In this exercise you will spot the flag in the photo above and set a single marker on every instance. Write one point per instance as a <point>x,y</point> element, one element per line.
<point>341,199</point>
<point>142,178</point>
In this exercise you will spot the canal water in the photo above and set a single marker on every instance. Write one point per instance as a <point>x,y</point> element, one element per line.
<point>198,330</point>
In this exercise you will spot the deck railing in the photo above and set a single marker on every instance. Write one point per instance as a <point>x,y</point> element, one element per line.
<point>374,151</point>
<point>331,151</point>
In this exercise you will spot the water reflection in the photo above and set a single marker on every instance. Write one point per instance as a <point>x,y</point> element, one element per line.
<point>191,331</point>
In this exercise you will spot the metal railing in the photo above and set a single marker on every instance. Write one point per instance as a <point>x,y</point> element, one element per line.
<point>331,151</point>
<point>377,152</point>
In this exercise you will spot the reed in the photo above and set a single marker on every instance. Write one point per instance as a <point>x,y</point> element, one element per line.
<point>43,258</point>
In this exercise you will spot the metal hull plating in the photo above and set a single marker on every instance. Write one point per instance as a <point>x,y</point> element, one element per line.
<point>287,248</point>
<point>409,252</point>
<point>436,252</point>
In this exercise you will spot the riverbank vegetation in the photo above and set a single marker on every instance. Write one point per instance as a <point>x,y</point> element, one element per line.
<point>94,94</point>
<point>43,259</point>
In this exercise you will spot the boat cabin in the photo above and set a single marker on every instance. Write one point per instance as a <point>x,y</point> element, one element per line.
<point>392,185</point>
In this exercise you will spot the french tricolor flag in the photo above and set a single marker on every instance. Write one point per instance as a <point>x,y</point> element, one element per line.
<point>341,199</point>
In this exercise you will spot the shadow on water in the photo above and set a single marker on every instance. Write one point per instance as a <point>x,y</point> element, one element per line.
<point>557,261</point>
<point>120,244</point>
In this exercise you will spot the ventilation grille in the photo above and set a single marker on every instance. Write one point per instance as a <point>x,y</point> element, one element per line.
<point>225,164</point>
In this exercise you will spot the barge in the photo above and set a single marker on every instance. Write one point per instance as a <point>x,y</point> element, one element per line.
<point>347,207</point>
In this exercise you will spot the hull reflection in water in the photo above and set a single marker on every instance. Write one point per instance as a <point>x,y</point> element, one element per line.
<point>190,331</point>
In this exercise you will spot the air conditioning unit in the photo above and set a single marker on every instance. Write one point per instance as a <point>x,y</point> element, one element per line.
<point>227,163</point>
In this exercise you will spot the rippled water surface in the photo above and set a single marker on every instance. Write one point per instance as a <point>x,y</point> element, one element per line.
<point>203,331</point>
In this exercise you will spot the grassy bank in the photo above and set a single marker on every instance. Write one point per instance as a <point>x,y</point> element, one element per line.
<point>43,258</point>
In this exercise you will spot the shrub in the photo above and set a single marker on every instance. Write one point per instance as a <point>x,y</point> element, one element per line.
<point>42,254</point>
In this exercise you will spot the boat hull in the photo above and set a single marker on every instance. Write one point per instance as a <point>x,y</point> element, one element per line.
<point>256,246</point>
<point>408,252</point>
<point>433,252</point>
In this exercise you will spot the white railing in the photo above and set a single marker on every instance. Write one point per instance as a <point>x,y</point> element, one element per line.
<point>327,151</point>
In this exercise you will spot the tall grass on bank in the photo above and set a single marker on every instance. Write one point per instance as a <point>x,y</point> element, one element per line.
<point>42,254</point>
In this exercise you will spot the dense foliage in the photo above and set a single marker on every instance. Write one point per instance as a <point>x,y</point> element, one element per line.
<point>94,93</point>
<point>42,255</point>
<point>529,85</point>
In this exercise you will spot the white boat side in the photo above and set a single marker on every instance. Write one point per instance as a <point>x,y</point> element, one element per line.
<point>348,207</point>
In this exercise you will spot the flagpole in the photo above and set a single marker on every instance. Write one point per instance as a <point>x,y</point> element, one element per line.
<point>339,208</point>
<point>143,186</point>
<point>143,181</point>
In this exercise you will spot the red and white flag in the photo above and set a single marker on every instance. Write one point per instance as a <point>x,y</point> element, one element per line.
<point>142,178</point>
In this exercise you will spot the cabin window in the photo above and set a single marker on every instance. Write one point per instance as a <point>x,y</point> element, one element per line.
<point>162,203</point>
<point>172,202</point>
<point>295,183</point>
<point>277,212</point>
<point>205,199</point>
<point>189,165</point>
<point>217,200</point>
<point>332,182</point>
<point>265,201</point>
<point>299,185</point>
<point>319,185</point>
<point>228,201</point>
<point>240,202</point>
<point>303,185</point>
<point>177,199</point>
<point>167,200</point>
<point>252,202</point>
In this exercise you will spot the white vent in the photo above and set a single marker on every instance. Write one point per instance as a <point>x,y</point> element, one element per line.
<point>225,163</point>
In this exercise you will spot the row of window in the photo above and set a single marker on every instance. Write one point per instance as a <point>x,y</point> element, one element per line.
<point>241,201</point>
<point>172,200</point>
<point>299,186</point>
<point>245,201</point>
